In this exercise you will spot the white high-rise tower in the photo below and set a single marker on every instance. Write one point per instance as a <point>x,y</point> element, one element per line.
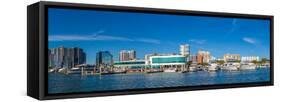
<point>184,49</point>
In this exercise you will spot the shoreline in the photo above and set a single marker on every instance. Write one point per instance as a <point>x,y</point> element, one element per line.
<point>144,72</point>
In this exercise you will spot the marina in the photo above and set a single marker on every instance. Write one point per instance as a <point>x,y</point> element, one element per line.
<point>91,70</point>
<point>80,83</point>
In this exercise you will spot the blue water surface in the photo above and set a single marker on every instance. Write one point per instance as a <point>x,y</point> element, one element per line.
<point>60,83</point>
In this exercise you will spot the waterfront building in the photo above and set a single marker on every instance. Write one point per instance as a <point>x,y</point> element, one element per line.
<point>123,55</point>
<point>193,58</point>
<point>132,55</point>
<point>155,62</point>
<point>147,57</point>
<point>175,62</point>
<point>62,57</point>
<point>232,57</point>
<point>203,57</point>
<point>249,58</point>
<point>104,59</point>
<point>200,59</point>
<point>131,66</point>
<point>76,56</point>
<point>126,55</point>
<point>185,50</point>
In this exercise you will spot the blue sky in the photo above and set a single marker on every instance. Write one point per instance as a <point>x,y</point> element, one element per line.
<point>153,33</point>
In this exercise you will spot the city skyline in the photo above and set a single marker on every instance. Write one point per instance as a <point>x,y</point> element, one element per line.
<point>197,55</point>
<point>96,31</point>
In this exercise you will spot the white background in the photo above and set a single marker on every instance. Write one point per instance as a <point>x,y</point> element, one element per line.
<point>13,51</point>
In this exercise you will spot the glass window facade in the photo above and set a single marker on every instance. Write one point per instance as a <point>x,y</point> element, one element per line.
<point>169,60</point>
<point>104,58</point>
<point>135,62</point>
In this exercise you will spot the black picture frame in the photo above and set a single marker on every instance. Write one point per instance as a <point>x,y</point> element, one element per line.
<point>37,55</point>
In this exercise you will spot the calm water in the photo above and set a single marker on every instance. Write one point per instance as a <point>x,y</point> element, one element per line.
<point>60,83</point>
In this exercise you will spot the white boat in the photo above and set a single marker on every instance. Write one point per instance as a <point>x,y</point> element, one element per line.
<point>264,66</point>
<point>51,70</point>
<point>119,71</point>
<point>62,70</point>
<point>74,71</point>
<point>74,68</point>
<point>193,67</point>
<point>247,66</point>
<point>231,66</point>
<point>170,70</point>
<point>213,67</point>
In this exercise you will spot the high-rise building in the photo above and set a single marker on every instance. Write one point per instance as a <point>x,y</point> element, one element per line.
<point>132,55</point>
<point>185,50</point>
<point>50,58</point>
<point>231,57</point>
<point>104,58</point>
<point>203,57</point>
<point>125,55</point>
<point>62,57</point>
<point>76,56</point>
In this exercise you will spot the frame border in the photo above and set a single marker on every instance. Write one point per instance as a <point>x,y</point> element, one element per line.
<point>43,55</point>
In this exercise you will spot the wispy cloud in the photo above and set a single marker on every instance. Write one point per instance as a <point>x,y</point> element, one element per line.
<point>197,41</point>
<point>234,26</point>
<point>147,40</point>
<point>249,40</point>
<point>86,38</point>
<point>99,37</point>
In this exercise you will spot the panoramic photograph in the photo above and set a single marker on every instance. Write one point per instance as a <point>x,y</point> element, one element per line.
<point>97,51</point>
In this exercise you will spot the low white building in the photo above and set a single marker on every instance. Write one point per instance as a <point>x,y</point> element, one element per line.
<point>250,58</point>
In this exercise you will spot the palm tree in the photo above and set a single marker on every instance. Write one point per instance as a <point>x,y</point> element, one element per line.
<point>255,62</point>
<point>263,60</point>
<point>220,62</point>
<point>188,64</point>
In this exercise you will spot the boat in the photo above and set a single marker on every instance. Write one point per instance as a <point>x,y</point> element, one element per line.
<point>74,71</point>
<point>200,68</point>
<point>231,66</point>
<point>51,70</point>
<point>62,70</point>
<point>193,67</point>
<point>170,70</point>
<point>247,66</point>
<point>212,67</point>
<point>106,73</point>
<point>264,66</point>
<point>119,72</point>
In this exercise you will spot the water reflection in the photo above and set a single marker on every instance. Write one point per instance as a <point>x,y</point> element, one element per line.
<point>59,83</point>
